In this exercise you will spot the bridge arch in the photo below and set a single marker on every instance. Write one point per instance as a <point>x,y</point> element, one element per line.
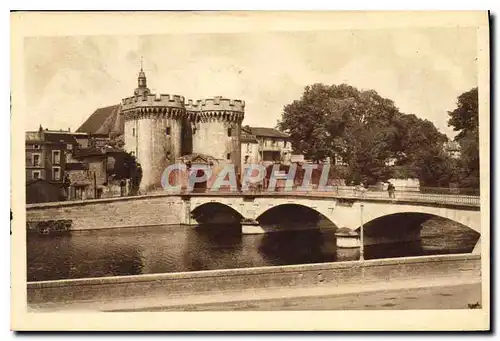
<point>215,213</point>
<point>351,216</point>
<point>405,227</point>
<point>295,214</point>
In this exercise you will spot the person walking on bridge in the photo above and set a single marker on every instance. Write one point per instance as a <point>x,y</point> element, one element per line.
<point>391,190</point>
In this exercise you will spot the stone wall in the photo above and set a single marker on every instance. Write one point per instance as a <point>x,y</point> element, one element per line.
<point>454,267</point>
<point>113,212</point>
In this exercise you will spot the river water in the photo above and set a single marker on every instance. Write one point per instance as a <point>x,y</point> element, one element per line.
<point>147,250</point>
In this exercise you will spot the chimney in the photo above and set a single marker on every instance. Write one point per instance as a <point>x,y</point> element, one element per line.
<point>69,129</point>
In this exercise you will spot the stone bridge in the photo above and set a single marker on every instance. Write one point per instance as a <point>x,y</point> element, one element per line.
<point>342,212</point>
<point>384,220</point>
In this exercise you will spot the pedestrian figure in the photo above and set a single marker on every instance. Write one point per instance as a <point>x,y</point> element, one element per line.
<point>391,190</point>
<point>360,190</point>
<point>122,187</point>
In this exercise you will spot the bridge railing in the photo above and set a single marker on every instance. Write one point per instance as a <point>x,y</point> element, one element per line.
<point>426,195</point>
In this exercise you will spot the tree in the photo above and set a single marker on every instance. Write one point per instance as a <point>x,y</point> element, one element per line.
<point>365,129</point>
<point>465,120</point>
<point>125,166</point>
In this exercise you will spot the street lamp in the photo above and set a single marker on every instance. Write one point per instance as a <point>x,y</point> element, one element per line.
<point>362,241</point>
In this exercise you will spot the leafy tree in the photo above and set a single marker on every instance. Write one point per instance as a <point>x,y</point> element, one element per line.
<point>125,166</point>
<point>465,120</point>
<point>365,129</point>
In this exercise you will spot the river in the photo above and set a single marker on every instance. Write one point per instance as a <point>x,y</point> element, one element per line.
<point>147,250</point>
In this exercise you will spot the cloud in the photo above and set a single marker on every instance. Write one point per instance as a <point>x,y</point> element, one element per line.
<point>422,71</point>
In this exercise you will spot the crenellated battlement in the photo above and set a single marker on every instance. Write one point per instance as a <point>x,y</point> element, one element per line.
<point>217,116</point>
<point>219,103</point>
<point>153,100</point>
<point>192,105</point>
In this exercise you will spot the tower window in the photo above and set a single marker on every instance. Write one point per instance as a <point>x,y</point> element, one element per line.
<point>228,131</point>
<point>228,156</point>
<point>167,131</point>
<point>133,131</point>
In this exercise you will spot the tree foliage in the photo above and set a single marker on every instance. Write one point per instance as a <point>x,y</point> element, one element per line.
<point>366,130</point>
<point>465,120</point>
<point>125,166</point>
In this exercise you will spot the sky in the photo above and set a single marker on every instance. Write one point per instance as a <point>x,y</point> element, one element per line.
<point>423,70</point>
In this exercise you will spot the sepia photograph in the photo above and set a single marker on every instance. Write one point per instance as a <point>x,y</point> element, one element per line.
<point>331,168</point>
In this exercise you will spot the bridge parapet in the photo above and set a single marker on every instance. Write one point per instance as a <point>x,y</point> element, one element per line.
<point>350,193</point>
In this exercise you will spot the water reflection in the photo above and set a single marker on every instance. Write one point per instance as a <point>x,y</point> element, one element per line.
<point>146,250</point>
<point>298,247</point>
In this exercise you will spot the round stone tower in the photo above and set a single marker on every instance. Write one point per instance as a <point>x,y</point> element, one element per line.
<point>153,130</point>
<point>216,128</point>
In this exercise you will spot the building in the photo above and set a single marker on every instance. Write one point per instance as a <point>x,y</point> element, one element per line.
<point>40,190</point>
<point>105,126</point>
<point>46,154</point>
<point>72,165</point>
<point>265,145</point>
<point>158,129</point>
<point>452,148</point>
<point>92,173</point>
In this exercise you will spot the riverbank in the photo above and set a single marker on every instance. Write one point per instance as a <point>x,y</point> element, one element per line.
<point>434,296</point>
<point>432,293</point>
<point>140,292</point>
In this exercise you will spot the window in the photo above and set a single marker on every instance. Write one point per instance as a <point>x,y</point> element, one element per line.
<point>167,131</point>
<point>228,156</point>
<point>36,146</point>
<point>228,131</point>
<point>56,173</point>
<point>246,158</point>
<point>194,130</point>
<point>133,131</point>
<point>56,157</point>
<point>284,145</point>
<point>36,160</point>
<point>69,146</point>
<point>36,175</point>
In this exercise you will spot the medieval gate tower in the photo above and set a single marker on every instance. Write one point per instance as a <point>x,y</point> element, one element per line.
<point>159,128</point>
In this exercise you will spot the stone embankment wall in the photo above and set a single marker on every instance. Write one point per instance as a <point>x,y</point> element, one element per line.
<point>171,285</point>
<point>113,212</point>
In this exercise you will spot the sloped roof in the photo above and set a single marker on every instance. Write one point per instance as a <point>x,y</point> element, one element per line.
<point>83,152</point>
<point>74,166</point>
<point>33,136</point>
<point>104,121</point>
<point>246,137</point>
<point>59,136</point>
<point>265,132</point>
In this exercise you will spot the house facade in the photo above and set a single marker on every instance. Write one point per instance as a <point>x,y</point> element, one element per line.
<point>260,145</point>
<point>46,154</point>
